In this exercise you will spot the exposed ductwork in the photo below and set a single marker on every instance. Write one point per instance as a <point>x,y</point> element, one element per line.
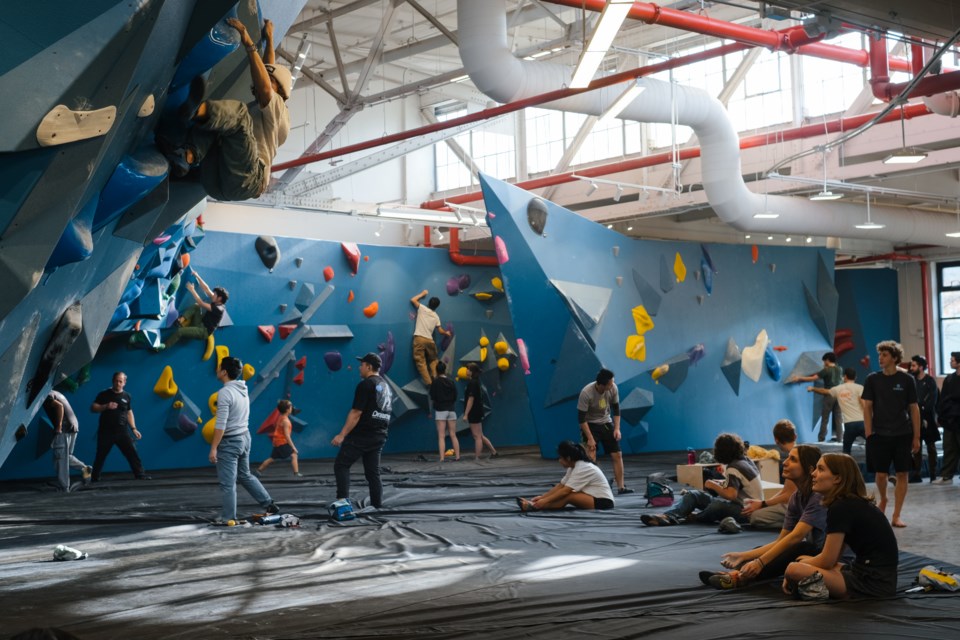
<point>486,57</point>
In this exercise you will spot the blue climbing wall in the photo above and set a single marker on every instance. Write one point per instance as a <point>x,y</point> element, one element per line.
<point>388,276</point>
<point>869,310</point>
<point>571,289</point>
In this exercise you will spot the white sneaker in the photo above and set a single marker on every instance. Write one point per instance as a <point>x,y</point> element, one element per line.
<point>942,481</point>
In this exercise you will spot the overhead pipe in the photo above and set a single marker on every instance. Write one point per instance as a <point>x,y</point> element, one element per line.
<point>885,90</point>
<point>458,258</point>
<point>792,37</point>
<point>487,58</point>
<point>689,153</point>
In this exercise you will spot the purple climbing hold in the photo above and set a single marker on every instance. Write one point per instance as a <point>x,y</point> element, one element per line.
<point>387,350</point>
<point>696,353</point>
<point>445,341</point>
<point>333,360</point>
<point>464,282</point>
<point>453,286</point>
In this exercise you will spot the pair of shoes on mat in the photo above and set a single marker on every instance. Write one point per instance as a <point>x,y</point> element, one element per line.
<point>526,505</point>
<point>658,520</point>
<point>721,579</point>
<point>622,491</point>
<point>272,508</point>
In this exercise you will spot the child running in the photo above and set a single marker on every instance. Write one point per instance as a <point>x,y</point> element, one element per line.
<point>282,439</point>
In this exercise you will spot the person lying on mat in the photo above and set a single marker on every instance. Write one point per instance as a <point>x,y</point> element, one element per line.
<point>803,531</point>
<point>853,520</point>
<point>721,498</point>
<point>583,486</point>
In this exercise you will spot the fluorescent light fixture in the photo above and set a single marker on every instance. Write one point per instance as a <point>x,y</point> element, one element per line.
<point>630,228</point>
<point>809,240</point>
<point>607,27</point>
<point>954,234</point>
<point>869,224</point>
<point>789,239</point>
<point>826,195</point>
<point>426,217</point>
<point>746,237</point>
<point>609,226</point>
<point>766,215</point>
<point>620,104</point>
<point>905,156</point>
<point>769,237</point>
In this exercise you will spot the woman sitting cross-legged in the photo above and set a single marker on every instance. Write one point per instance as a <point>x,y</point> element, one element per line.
<point>583,486</point>
<point>741,481</point>
<point>852,520</point>
<point>803,531</point>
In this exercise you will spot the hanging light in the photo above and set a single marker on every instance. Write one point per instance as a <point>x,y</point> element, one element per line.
<point>826,194</point>
<point>437,234</point>
<point>869,224</point>
<point>612,17</point>
<point>379,230</point>
<point>903,155</point>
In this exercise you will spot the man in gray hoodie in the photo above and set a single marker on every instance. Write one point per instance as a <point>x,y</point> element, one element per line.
<point>230,447</point>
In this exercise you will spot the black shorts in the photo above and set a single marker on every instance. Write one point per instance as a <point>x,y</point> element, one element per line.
<point>863,579</point>
<point>603,434</point>
<point>282,452</point>
<point>882,451</point>
<point>602,504</point>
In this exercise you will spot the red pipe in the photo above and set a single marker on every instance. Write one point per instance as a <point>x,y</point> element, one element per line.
<point>788,40</point>
<point>887,91</point>
<point>927,317</point>
<point>748,142</point>
<point>458,258</point>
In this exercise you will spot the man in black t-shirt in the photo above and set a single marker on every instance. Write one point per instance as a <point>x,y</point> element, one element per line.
<point>891,423</point>
<point>927,397</point>
<point>116,416</point>
<point>365,431</point>
<point>201,319</point>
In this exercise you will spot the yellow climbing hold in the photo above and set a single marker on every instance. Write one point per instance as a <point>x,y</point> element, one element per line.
<point>497,284</point>
<point>679,269</point>
<point>503,364</point>
<point>501,347</point>
<point>484,341</point>
<point>208,352</point>
<point>462,373</point>
<point>207,431</point>
<point>212,402</point>
<point>178,405</point>
<point>248,372</point>
<point>636,348</point>
<point>483,354</point>
<point>642,320</point>
<point>659,372</point>
<point>222,352</point>
<point>166,387</point>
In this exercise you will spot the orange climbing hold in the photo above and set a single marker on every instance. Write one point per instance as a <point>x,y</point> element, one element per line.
<point>184,260</point>
<point>755,253</point>
<point>286,330</point>
<point>328,273</point>
<point>301,363</point>
<point>371,309</point>
<point>267,331</point>
<point>350,296</point>
<point>298,379</point>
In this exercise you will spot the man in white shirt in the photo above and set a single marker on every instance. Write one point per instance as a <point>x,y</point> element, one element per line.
<point>847,395</point>
<point>424,348</point>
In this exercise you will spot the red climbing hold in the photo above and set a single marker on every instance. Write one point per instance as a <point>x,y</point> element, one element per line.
<point>298,379</point>
<point>286,330</point>
<point>269,423</point>
<point>352,253</point>
<point>350,296</point>
<point>328,273</point>
<point>301,363</point>
<point>267,331</point>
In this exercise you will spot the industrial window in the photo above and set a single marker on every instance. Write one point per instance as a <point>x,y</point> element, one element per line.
<point>491,146</point>
<point>830,86</point>
<point>948,297</point>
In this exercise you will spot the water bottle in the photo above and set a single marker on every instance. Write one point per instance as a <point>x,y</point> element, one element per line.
<point>691,456</point>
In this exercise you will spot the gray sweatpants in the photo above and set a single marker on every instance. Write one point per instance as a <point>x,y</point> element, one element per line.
<point>230,167</point>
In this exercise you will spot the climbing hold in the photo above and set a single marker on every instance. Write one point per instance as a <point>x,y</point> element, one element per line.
<point>483,354</point>
<point>184,260</point>
<point>298,379</point>
<point>61,125</point>
<point>286,330</point>
<point>484,341</point>
<point>616,251</point>
<point>707,258</point>
<point>488,313</point>
<point>371,309</point>
<point>755,253</point>
<point>659,372</point>
<point>212,402</point>
<point>679,269</point>
<point>497,283</point>
<point>462,373</point>
<point>696,353</point>
<point>352,253</point>
<point>298,262</point>
<point>537,215</point>
<point>445,340</point>
<point>208,428</point>
<point>773,267</point>
<point>268,250</point>
<point>248,372</point>
<point>268,425</point>
<point>282,308</point>
<point>501,248</point>
<point>501,347</point>
<point>641,319</point>
<point>386,351</point>
<point>636,348</point>
<point>780,347</point>
<point>178,404</point>
<point>301,363</point>
<point>292,284</point>
<point>267,331</point>
<point>619,280</point>
<point>772,363</point>
<point>222,352</point>
<point>159,240</point>
<point>147,106</point>
<point>482,296</point>
<point>350,296</point>
<point>366,258</point>
<point>707,276</point>
<point>328,273</point>
<point>503,364</point>
<point>524,356</point>
<point>333,360</point>
<point>453,285</point>
<point>464,282</point>
<point>865,361</point>
<point>208,349</point>
<point>165,387</point>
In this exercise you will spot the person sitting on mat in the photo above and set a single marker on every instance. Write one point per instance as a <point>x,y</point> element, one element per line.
<point>803,530</point>
<point>720,499</point>
<point>853,520</point>
<point>583,486</point>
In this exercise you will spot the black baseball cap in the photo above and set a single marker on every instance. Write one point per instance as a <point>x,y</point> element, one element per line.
<point>373,360</point>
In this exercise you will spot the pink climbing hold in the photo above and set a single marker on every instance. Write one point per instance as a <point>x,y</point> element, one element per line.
<point>298,379</point>
<point>286,330</point>
<point>328,273</point>
<point>524,357</point>
<point>502,256</point>
<point>352,252</point>
<point>301,363</point>
<point>267,331</point>
<point>160,240</point>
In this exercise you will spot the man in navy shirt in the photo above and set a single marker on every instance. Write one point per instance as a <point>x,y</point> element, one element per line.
<point>891,421</point>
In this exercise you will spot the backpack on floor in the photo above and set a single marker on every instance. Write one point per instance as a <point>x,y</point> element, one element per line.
<point>932,578</point>
<point>658,494</point>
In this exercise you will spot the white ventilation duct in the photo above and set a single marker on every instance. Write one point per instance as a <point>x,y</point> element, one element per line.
<point>944,104</point>
<point>486,55</point>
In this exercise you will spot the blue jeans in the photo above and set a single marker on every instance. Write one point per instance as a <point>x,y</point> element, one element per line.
<point>233,465</point>
<point>353,448</point>
<point>711,509</point>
